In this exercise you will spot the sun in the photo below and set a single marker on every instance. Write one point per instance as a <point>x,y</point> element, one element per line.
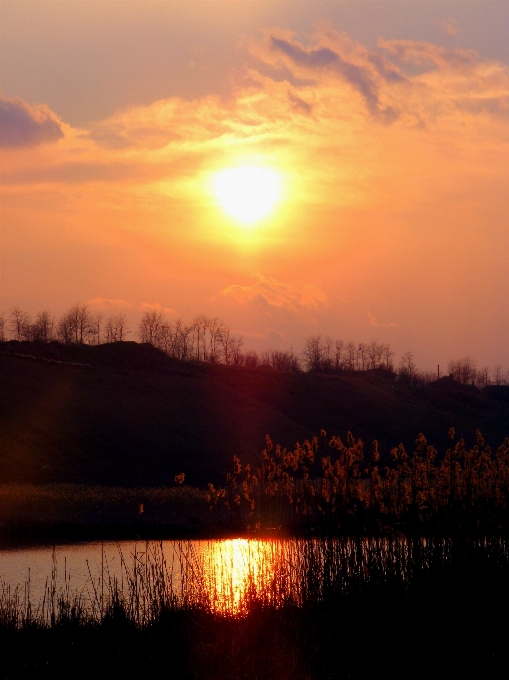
<point>247,193</point>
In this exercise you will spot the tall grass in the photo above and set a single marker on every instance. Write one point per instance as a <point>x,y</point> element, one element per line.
<point>325,608</point>
<point>321,487</point>
<point>328,486</point>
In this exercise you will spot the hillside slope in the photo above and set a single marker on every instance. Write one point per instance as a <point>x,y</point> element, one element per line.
<point>131,416</point>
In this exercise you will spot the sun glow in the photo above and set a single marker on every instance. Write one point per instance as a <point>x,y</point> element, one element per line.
<point>247,193</point>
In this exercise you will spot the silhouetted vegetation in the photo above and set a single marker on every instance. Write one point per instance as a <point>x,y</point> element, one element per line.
<point>87,407</point>
<point>127,414</point>
<point>322,487</point>
<point>208,339</point>
<point>325,609</point>
<point>42,513</point>
<point>330,486</point>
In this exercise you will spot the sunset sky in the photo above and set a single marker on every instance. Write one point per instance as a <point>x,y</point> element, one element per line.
<point>377,132</point>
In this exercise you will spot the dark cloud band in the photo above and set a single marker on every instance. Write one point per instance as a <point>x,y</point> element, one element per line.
<point>24,125</point>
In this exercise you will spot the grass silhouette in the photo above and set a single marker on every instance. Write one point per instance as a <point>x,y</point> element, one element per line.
<point>349,608</point>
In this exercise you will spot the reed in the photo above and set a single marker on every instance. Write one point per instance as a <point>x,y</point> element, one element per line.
<point>322,608</point>
<point>327,486</point>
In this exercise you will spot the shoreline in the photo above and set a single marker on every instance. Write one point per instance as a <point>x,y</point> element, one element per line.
<point>35,537</point>
<point>32,515</point>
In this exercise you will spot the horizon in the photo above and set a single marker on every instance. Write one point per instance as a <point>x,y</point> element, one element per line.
<point>369,142</point>
<point>192,341</point>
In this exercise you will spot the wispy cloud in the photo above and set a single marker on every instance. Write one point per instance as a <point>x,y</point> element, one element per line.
<point>392,159</point>
<point>109,304</point>
<point>24,125</point>
<point>158,307</point>
<point>422,52</point>
<point>269,292</point>
<point>378,324</point>
<point>451,26</point>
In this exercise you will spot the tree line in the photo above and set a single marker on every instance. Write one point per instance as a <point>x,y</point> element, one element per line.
<point>209,339</point>
<point>78,325</point>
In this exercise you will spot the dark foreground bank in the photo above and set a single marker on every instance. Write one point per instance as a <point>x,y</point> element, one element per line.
<point>126,414</point>
<point>447,617</point>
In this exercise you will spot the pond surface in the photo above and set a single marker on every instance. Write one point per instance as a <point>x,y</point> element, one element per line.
<point>225,575</point>
<point>220,571</point>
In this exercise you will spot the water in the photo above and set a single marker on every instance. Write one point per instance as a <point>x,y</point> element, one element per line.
<point>222,570</point>
<point>223,574</point>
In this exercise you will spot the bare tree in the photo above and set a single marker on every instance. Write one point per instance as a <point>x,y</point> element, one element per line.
<point>407,367</point>
<point>284,360</point>
<point>350,356</point>
<point>76,325</point>
<point>379,355</point>
<point>327,363</point>
<point>42,328</point>
<point>174,339</point>
<point>338,355</point>
<point>121,326</point>
<point>226,339</point>
<point>279,360</point>
<point>362,356</point>
<point>150,327</point>
<point>237,356</point>
<point>83,323</point>
<point>20,324</point>
<point>164,338</point>
<point>482,379</point>
<point>215,328</point>
<point>313,352</point>
<point>498,377</point>
<point>186,342</point>
<point>95,328</point>
<point>387,357</point>
<point>64,330</point>
<point>265,359</point>
<point>424,377</point>
<point>116,328</point>
<point>199,330</point>
<point>251,359</point>
<point>463,370</point>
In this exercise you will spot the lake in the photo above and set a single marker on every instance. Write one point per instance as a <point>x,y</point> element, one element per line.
<point>224,574</point>
<point>222,570</point>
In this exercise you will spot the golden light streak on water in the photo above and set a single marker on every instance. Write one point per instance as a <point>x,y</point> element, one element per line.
<point>225,576</point>
<point>237,570</point>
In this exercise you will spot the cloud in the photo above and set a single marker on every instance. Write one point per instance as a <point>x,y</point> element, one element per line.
<point>270,293</point>
<point>327,116</point>
<point>451,26</point>
<point>157,307</point>
<point>310,58</point>
<point>389,87</point>
<point>114,135</point>
<point>422,52</point>
<point>79,172</point>
<point>299,104</point>
<point>270,334</point>
<point>108,304</point>
<point>24,125</point>
<point>338,55</point>
<point>378,324</point>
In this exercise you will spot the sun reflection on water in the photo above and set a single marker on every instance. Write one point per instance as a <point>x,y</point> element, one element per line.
<point>240,570</point>
<point>229,577</point>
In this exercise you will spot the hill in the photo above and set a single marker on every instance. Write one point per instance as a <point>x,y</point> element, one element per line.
<point>126,414</point>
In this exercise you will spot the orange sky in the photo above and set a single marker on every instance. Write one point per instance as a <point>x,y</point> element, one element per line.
<point>390,138</point>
